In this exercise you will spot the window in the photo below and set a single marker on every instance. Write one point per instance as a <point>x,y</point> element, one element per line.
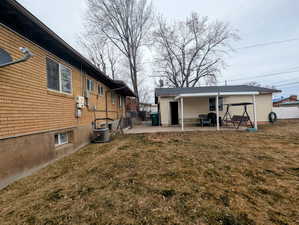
<point>59,77</point>
<point>113,98</point>
<point>212,104</point>
<point>121,101</point>
<point>61,139</point>
<point>65,74</point>
<point>101,90</point>
<point>53,75</point>
<point>89,85</point>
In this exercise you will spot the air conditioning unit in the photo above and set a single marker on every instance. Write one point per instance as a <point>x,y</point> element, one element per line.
<point>80,100</point>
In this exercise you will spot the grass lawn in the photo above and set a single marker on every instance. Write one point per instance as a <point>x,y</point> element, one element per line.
<point>230,178</point>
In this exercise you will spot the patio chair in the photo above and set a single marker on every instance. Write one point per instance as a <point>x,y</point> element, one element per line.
<point>213,117</point>
<point>204,120</point>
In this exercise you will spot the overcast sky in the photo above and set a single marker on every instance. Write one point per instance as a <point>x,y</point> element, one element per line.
<point>258,22</point>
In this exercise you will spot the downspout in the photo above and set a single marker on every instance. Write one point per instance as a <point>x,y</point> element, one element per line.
<point>27,55</point>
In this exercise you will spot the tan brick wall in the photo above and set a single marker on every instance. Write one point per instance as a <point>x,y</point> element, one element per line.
<point>26,104</point>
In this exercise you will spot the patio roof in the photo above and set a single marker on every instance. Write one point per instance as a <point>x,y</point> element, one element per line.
<point>216,94</point>
<point>213,90</point>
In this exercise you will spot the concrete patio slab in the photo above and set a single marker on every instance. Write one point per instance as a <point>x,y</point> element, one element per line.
<point>159,129</point>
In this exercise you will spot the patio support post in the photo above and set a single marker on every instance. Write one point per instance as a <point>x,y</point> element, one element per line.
<point>217,112</point>
<point>254,111</point>
<point>182,113</point>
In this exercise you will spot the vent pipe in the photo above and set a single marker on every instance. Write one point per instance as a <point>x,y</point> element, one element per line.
<point>27,55</point>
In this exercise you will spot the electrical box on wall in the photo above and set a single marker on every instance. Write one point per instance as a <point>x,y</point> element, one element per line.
<point>80,100</point>
<point>78,113</point>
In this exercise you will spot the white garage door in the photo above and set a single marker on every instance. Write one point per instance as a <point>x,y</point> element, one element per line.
<point>286,112</point>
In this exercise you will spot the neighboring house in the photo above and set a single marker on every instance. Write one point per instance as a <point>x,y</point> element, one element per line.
<point>148,107</point>
<point>280,101</point>
<point>132,106</point>
<point>173,102</point>
<point>47,103</point>
<point>290,104</point>
<point>141,111</point>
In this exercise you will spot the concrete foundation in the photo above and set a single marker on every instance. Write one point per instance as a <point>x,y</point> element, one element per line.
<point>21,156</point>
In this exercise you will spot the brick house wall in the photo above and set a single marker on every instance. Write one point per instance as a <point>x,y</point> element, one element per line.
<point>31,114</point>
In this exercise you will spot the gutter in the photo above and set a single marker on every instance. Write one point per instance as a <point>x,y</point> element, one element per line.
<point>216,94</point>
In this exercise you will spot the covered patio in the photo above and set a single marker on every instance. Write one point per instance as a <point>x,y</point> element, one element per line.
<point>217,95</point>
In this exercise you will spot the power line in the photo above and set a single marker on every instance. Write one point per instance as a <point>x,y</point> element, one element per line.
<point>268,43</point>
<point>264,75</point>
<point>281,82</point>
<point>291,86</point>
<point>287,84</point>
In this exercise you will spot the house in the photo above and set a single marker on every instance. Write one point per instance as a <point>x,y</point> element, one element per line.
<point>280,101</point>
<point>290,104</point>
<point>184,105</point>
<point>48,101</point>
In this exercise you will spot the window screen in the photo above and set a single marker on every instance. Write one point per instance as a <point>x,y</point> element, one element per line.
<point>66,82</point>
<point>53,75</point>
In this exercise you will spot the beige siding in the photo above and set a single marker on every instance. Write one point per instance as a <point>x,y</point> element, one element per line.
<point>200,105</point>
<point>263,105</point>
<point>165,110</point>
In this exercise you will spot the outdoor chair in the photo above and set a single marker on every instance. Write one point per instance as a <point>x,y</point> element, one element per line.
<point>204,120</point>
<point>213,117</point>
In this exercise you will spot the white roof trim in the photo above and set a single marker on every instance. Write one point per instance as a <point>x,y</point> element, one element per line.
<point>215,94</point>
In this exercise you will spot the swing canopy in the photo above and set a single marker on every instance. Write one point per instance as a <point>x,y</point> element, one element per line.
<point>237,120</point>
<point>239,104</point>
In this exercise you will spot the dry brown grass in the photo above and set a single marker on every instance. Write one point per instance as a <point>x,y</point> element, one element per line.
<point>230,178</point>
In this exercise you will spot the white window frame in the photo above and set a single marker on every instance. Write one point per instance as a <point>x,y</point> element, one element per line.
<point>60,142</point>
<point>60,81</point>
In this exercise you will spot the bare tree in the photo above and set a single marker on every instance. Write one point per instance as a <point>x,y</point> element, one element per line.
<point>101,53</point>
<point>257,84</point>
<point>191,50</point>
<point>125,24</point>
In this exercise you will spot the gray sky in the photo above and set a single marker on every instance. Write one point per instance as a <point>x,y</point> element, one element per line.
<point>258,22</point>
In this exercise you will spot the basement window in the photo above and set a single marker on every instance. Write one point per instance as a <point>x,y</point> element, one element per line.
<point>61,139</point>
<point>59,77</point>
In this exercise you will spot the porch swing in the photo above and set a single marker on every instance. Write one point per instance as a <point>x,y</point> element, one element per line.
<point>237,120</point>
